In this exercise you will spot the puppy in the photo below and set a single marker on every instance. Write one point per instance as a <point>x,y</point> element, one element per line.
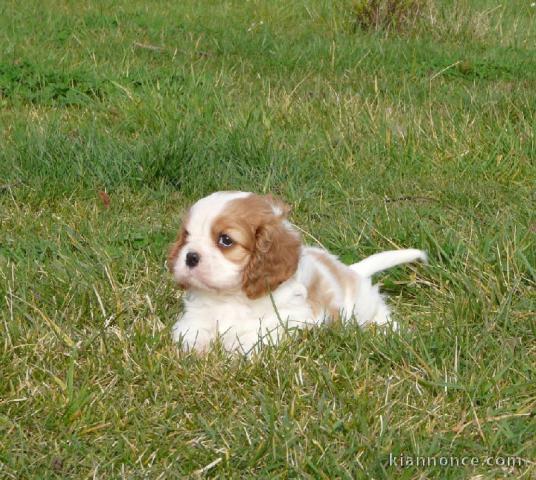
<point>248,277</point>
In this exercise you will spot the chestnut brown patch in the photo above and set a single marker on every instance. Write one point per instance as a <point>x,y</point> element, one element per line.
<point>240,234</point>
<point>319,291</point>
<point>321,298</point>
<point>176,246</point>
<point>266,248</point>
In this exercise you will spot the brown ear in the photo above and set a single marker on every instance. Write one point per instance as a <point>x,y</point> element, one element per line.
<point>176,246</point>
<point>275,258</point>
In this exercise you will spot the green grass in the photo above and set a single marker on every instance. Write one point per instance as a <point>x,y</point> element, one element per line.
<point>418,138</point>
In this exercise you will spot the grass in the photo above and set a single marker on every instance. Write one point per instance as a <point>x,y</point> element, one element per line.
<point>419,138</point>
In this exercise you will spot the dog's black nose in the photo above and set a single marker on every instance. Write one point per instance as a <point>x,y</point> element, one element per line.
<point>192,259</point>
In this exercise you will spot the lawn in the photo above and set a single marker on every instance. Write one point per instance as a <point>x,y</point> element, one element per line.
<point>116,115</point>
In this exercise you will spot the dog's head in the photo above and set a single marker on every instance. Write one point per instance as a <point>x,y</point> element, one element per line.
<point>231,241</point>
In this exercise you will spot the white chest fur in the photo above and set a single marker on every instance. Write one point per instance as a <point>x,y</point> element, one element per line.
<point>241,322</point>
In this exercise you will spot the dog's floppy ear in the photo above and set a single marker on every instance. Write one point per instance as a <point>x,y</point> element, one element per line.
<point>276,253</point>
<point>176,246</point>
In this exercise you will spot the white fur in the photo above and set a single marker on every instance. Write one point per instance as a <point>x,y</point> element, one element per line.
<point>215,305</point>
<point>384,260</point>
<point>239,321</point>
<point>366,305</point>
<point>214,272</point>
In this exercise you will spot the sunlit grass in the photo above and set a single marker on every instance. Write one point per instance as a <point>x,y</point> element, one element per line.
<point>379,139</point>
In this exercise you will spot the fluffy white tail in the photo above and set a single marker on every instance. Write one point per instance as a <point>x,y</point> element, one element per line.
<point>384,260</point>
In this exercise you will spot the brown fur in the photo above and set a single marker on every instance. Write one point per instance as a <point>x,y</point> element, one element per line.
<point>234,223</point>
<point>321,298</point>
<point>262,245</point>
<point>319,291</point>
<point>176,246</point>
<point>266,249</point>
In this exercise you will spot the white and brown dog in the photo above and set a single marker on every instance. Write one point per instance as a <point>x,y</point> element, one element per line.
<point>249,278</point>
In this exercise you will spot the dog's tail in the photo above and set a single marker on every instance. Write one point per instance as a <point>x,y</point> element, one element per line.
<point>384,260</point>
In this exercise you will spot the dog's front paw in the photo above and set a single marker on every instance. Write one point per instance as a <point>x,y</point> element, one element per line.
<point>190,337</point>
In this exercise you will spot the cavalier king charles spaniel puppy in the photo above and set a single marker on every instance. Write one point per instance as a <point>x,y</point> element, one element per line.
<point>248,277</point>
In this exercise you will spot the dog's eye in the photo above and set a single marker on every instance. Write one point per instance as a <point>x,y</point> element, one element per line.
<point>225,240</point>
